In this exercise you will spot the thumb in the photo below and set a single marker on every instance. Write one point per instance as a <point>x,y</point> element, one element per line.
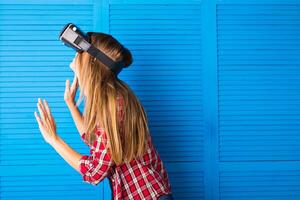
<point>67,85</point>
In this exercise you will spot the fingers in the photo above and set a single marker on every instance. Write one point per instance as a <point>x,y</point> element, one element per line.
<point>38,118</point>
<point>47,108</point>
<point>67,85</point>
<point>41,109</point>
<point>47,119</point>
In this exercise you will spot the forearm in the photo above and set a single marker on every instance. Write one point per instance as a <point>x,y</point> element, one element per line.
<point>77,117</point>
<point>66,152</point>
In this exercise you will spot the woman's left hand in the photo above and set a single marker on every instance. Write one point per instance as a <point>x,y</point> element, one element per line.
<point>46,122</point>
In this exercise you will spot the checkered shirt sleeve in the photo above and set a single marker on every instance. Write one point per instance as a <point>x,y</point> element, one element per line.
<point>95,167</point>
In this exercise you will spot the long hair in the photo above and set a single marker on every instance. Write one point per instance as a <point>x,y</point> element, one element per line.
<point>99,88</point>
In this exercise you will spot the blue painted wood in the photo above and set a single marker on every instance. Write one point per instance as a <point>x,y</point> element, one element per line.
<point>210,99</point>
<point>34,63</point>
<point>165,40</point>
<point>219,80</point>
<point>258,87</point>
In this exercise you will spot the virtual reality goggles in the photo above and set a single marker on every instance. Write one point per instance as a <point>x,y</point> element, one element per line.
<point>73,37</point>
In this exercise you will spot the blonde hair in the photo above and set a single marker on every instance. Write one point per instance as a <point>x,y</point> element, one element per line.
<point>100,88</point>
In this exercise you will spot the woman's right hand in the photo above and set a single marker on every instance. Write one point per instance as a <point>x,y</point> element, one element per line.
<point>70,93</point>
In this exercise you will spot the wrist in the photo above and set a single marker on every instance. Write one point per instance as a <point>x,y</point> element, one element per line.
<point>71,104</point>
<point>54,140</point>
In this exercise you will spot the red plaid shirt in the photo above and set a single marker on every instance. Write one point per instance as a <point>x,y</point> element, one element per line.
<point>142,178</point>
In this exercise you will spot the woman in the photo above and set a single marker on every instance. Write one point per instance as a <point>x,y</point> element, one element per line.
<point>114,125</point>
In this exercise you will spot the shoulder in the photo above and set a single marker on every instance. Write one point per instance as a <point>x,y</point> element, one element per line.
<point>100,133</point>
<point>100,140</point>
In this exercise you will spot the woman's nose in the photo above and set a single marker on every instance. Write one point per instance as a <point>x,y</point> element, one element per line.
<point>72,65</point>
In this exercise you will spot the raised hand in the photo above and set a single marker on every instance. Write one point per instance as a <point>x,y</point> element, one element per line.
<point>46,122</point>
<point>70,93</point>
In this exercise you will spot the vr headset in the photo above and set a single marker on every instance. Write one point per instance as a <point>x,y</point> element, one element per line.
<point>73,37</point>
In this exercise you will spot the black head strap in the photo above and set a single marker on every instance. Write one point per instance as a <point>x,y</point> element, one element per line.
<point>116,67</point>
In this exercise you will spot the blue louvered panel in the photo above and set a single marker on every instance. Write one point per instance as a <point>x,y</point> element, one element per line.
<point>279,181</point>
<point>259,87</point>
<point>165,40</point>
<point>258,184</point>
<point>44,186</point>
<point>259,82</point>
<point>34,63</point>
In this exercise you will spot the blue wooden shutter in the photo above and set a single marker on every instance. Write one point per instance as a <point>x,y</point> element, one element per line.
<point>34,63</point>
<point>258,87</point>
<point>219,81</point>
<point>165,40</point>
